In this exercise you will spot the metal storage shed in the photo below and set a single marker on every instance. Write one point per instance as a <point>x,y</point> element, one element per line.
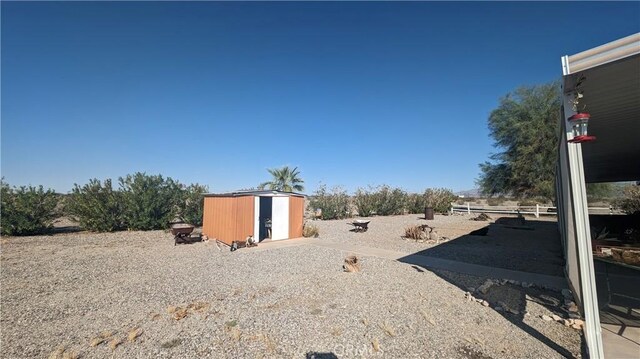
<point>609,78</point>
<point>234,216</point>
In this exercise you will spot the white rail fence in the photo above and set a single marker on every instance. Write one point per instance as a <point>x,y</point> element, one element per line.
<point>536,210</point>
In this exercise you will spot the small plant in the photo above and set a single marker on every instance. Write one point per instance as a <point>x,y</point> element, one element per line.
<point>310,230</point>
<point>27,210</point>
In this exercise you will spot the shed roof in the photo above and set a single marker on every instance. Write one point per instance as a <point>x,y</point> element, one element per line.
<point>611,84</point>
<point>263,193</point>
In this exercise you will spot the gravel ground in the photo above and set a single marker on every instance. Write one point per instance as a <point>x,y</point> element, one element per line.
<point>537,251</point>
<point>66,289</point>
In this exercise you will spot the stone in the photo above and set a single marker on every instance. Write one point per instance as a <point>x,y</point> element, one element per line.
<point>578,321</point>
<point>556,317</point>
<point>485,303</point>
<point>471,289</point>
<point>576,326</point>
<point>567,322</point>
<point>574,315</point>
<point>484,288</point>
<point>498,309</point>
<point>524,284</point>
<point>573,308</point>
<point>546,318</point>
<point>567,293</point>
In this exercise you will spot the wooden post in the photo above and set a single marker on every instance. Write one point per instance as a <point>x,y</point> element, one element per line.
<point>468,208</point>
<point>537,210</point>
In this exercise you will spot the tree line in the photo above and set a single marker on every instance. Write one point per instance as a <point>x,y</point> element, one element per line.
<point>140,202</point>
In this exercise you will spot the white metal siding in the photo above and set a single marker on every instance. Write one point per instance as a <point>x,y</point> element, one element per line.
<point>256,215</point>
<point>280,218</point>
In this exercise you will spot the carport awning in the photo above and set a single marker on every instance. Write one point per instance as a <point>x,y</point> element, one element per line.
<point>611,85</point>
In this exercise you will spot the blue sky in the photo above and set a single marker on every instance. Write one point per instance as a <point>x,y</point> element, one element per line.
<point>353,93</point>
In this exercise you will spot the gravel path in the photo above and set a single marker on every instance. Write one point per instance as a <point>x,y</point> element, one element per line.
<point>536,251</point>
<point>65,290</point>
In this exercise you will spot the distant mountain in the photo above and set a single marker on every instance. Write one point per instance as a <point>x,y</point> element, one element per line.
<point>469,193</point>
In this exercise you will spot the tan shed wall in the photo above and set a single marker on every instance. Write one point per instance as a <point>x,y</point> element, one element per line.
<point>296,216</point>
<point>244,218</point>
<point>228,218</point>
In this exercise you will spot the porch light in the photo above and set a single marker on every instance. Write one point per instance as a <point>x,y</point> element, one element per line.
<point>579,123</point>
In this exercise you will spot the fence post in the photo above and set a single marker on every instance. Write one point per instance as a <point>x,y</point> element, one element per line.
<point>468,208</point>
<point>610,209</point>
<point>537,210</point>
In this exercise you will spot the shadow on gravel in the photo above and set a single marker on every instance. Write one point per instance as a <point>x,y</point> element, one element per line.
<point>511,302</point>
<point>498,245</point>
<point>538,250</point>
<point>316,355</point>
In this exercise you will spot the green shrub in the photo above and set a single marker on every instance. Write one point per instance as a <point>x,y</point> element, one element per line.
<point>310,230</point>
<point>333,204</point>
<point>191,206</point>
<point>630,203</point>
<point>366,202</point>
<point>382,201</point>
<point>27,210</point>
<point>150,202</point>
<point>439,199</point>
<point>415,203</point>
<point>97,206</point>
<point>390,201</point>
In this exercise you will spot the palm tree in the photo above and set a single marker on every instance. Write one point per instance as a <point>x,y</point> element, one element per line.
<point>284,179</point>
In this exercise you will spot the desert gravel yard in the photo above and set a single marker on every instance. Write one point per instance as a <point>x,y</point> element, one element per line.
<point>135,295</point>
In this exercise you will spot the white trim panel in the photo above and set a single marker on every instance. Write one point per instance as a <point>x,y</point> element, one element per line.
<point>256,215</point>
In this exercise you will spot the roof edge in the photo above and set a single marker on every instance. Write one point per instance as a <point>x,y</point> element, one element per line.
<point>271,193</point>
<point>603,54</point>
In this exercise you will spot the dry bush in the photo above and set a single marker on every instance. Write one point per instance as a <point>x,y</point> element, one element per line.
<point>376,345</point>
<point>387,329</point>
<point>134,333</point>
<point>310,230</point>
<point>481,217</point>
<point>351,264</point>
<point>115,342</point>
<point>416,232</point>
<point>63,353</point>
<point>199,307</point>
